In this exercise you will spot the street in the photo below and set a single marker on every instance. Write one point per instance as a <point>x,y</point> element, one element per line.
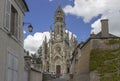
<point>60,79</point>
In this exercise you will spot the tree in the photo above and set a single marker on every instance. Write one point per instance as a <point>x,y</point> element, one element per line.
<point>34,58</point>
<point>37,58</point>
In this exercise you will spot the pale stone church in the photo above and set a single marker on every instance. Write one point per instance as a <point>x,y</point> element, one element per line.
<point>56,53</point>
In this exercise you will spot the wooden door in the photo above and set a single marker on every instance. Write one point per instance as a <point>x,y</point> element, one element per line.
<point>58,69</point>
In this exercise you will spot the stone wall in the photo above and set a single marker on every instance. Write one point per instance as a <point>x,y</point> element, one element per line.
<point>109,50</point>
<point>35,75</point>
<point>81,59</point>
<point>82,63</point>
<point>103,44</point>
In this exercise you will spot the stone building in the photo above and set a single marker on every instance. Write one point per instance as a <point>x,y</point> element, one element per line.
<point>79,70</point>
<point>11,39</point>
<point>57,52</point>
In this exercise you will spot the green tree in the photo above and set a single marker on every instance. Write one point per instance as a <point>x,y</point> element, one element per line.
<point>37,58</point>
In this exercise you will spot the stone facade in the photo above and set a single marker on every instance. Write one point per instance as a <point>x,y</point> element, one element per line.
<point>58,51</point>
<point>11,39</point>
<point>80,63</point>
<point>35,75</point>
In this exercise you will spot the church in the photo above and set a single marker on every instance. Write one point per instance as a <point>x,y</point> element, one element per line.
<point>57,53</point>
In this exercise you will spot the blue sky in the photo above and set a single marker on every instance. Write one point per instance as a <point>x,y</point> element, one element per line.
<point>41,17</point>
<point>82,18</point>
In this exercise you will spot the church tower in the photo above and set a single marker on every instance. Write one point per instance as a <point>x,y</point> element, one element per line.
<point>59,47</point>
<point>59,23</point>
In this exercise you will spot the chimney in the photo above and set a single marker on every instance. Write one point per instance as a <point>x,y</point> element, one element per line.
<point>104,28</point>
<point>92,35</point>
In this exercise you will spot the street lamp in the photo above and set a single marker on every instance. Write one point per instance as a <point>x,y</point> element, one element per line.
<point>30,27</point>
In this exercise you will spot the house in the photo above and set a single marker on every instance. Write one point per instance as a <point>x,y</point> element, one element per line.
<point>80,62</point>
<point>11,39</point>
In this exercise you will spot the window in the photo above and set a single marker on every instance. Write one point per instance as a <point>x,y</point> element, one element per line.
<point>12,68</point>
<point>14,22</point>
<point>19,28</point>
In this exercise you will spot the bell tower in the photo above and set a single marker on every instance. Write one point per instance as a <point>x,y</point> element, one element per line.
<point>59,23</point>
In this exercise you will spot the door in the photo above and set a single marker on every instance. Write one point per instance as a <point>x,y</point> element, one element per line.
<point>58,70</point>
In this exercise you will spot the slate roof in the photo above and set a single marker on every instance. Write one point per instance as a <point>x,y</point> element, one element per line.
<point>25,5</point>
<point>99,35</point>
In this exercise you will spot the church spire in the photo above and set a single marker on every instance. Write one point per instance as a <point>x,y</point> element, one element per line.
<point>59,4</point>
<point>59,15</point>
<point>59,23</point>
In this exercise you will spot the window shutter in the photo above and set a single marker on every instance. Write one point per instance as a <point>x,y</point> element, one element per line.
<point>19,27</point>
<point>9,75</point>
<point>7,15</point>
<point>15,76</point>
<point>15,63</point>
<point>15,25</point>
<point>10,60</point>
<point>15,68</point>
<point>12,67</point>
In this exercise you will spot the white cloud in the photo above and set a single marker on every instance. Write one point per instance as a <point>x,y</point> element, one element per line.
<point>88,9</point>
<point>31,43</point>
<point>70,34</point>
<point>96,27</point>
<point>24,32</point>
<point>50,0</point>
<point>114,23</point>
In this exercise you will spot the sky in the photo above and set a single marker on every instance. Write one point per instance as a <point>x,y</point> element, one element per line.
<point>82,18</point>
